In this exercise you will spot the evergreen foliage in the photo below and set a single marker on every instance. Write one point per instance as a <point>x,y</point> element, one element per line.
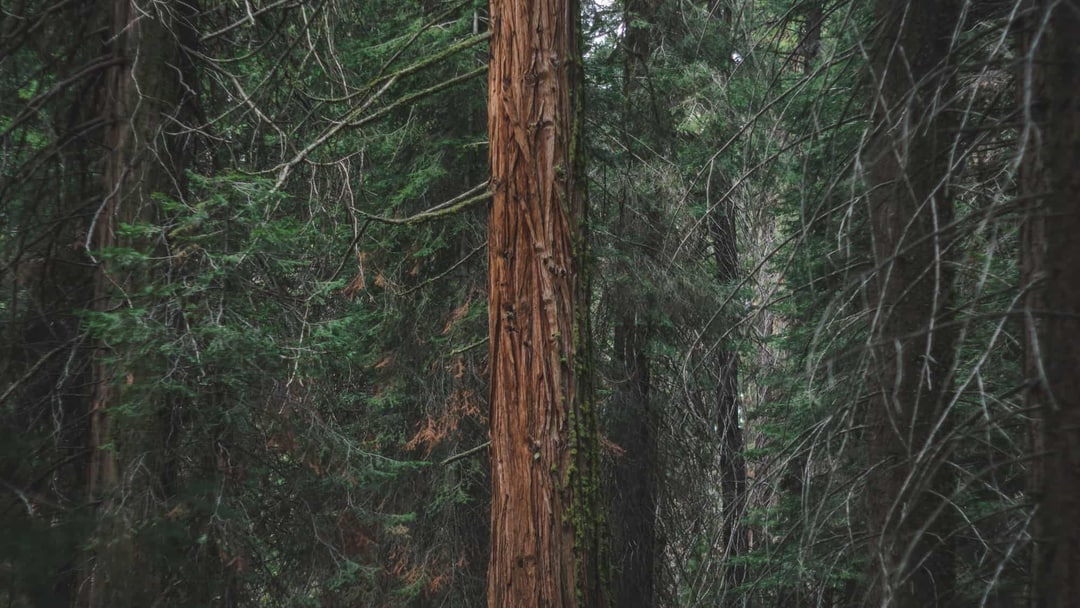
<point>244,302</point>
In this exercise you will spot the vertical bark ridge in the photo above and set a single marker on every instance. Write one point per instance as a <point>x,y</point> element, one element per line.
<point>543,429</point>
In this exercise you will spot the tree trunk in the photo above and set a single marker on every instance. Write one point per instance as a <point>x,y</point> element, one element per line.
<point>631,421</point>
<point>810,37</point>
<point>142,94</point>
<point>1051,184</point>
<point>1032,184</point>
<point>631,424</point>
<point>910,294</point>
<point>732,461</point>
<point>545,539</point>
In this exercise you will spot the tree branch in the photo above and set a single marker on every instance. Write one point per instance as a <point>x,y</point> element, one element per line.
<point>466,453</point>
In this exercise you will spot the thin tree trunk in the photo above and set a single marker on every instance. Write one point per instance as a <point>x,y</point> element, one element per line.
<point>1051,106</point>
<point>732,461</point>
<point>1032,182</point>
<point>631,426</point>
<point>630,421</point>
<point>910,294</point>
<point>545,541</point>
<point>810,39</point>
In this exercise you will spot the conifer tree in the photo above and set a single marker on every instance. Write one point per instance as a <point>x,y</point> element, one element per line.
<point>1050,77</point>
<point>911,296</point>
<point>545,543</point>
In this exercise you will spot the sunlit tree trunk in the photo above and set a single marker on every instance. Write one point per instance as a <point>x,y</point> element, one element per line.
<point>545,516</point>
<point>910,298</point>
<point>1050,184</point>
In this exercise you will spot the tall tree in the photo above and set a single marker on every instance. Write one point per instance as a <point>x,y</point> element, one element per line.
<point>142,101</point>
<point>734,536</point>
<point>910,295</point>
<point>1050,184</point>
<point>731,459</point>
<point>631,419</point>
<point>1032,177</point>
<point>545,540</point>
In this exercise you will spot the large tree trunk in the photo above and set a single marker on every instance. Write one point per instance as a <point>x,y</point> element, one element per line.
<point>910,294</point>
<point>142,98</point>
<point>545,541</point>
<point>1051,183</point>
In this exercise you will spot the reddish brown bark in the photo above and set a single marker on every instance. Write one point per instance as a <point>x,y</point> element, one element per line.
<point>544,546</point>
<point>910,295</point>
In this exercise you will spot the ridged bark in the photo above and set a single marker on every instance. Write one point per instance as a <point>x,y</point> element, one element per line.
<point>545,517</point>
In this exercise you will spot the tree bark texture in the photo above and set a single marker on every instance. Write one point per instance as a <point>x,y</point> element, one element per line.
<point>911,357</point>
<point>545,516</point>
<point>1051,107</point>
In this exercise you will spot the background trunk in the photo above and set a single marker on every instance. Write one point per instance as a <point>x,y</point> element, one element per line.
<point>732,462</point>
<point>142,99</point>
<point>1052,185</point>
<point>1032,182</point>
<point>631,421</point>
<point>912,356</point>
<point>631,425</point>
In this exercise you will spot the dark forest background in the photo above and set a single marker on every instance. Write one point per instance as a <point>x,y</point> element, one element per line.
<point>243,301</point>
